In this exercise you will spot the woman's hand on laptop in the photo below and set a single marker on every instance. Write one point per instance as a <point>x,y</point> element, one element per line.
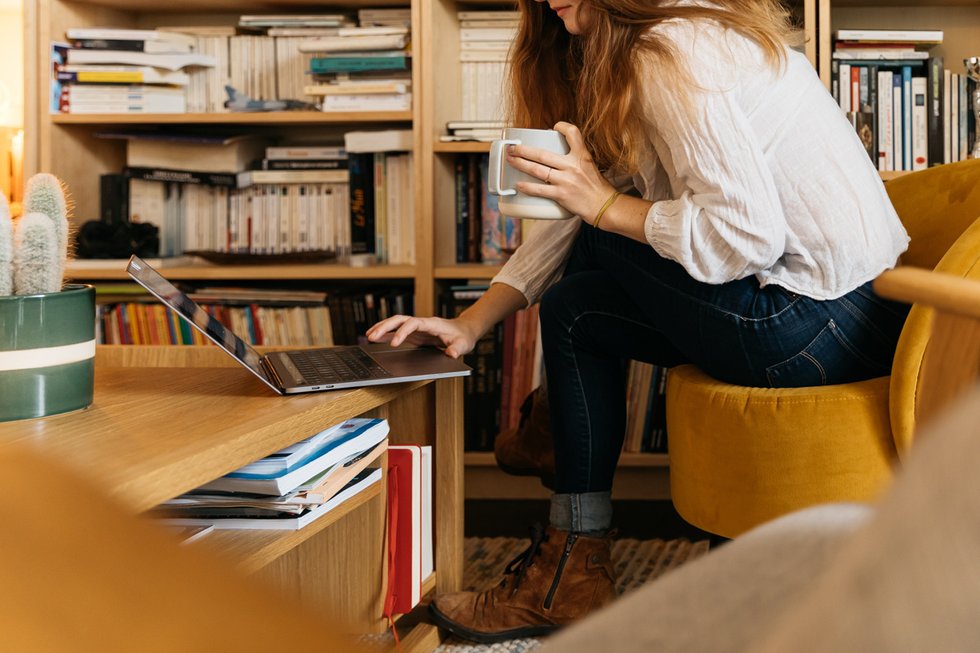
<point>456,337</point>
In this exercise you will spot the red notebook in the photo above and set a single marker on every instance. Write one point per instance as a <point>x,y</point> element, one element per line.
<point>404,528</point>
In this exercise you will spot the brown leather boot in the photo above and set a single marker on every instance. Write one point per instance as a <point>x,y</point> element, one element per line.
<point>561,577</point>
<point>529,450</point>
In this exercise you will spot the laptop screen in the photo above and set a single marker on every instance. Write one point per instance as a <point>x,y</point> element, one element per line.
<point>196,316</point>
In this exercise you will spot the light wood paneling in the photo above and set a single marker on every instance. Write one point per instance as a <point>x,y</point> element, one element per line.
<point>448,470</point>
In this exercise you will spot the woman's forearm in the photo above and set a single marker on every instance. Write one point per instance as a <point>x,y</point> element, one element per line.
<point>499,301</point>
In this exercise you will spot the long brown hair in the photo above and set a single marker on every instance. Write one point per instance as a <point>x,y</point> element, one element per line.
<point>592,81</point>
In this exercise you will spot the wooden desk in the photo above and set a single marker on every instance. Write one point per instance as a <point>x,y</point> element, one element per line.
<point>152,434</point>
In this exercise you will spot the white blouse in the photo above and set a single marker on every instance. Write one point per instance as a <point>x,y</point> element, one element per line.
<point>759,173</point>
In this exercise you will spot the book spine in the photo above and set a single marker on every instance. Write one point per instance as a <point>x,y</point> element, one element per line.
<point>898,157</point>
<point>920,124</point>
<point>462,209</point>
<point>907,118</point>
<point>304,164</point>
<point>183,177</point>
<point>935,113</point>
<point>361,166</point>
<point>886,116</point>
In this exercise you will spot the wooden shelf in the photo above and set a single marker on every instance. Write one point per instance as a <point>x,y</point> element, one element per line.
<point>463,147</point>
<point>467,271</point>
<point>253,550</point>
<point>245,6</point>
<point>254,272</point>
<point>256,118</point>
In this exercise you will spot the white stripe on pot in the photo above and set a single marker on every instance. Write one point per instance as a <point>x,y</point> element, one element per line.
<point>27,359</point>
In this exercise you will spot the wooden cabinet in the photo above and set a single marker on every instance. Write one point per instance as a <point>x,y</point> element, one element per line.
<point>157,429</point>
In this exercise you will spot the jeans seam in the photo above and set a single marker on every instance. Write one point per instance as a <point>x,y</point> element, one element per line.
<point>578,377</point>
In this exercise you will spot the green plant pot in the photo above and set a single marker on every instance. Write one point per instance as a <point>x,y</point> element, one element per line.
<point>47,352</point>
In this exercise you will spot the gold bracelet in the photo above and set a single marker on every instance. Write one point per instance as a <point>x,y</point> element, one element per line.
<point>612,198</point>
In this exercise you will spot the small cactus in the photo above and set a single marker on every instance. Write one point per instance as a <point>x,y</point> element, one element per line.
<point>34,249</point>
<point>35,254</point>
<point>6,249</point>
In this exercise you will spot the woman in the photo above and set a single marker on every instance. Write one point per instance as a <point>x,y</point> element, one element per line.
<point>747,247</point>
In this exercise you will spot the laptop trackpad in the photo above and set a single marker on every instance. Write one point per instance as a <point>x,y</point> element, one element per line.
<point>413,362</point>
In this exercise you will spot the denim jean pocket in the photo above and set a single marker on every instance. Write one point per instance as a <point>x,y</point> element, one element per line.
<point>828,359</point>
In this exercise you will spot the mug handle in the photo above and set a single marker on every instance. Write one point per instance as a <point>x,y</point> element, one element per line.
<point>494,171</point>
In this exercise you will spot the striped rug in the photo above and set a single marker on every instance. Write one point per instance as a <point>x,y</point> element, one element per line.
<point>637,561</point>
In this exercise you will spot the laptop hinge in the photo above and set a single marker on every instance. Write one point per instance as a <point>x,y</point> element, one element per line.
<point>270,369</point>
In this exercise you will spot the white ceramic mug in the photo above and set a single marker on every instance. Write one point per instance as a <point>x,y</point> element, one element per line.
<point>502,178</point>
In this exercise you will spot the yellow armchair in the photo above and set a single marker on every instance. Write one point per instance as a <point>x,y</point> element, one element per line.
<point>741,456</point>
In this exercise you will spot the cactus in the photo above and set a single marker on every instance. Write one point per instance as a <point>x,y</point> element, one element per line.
<point>45,195</point>
<point>35,254</point>
<point>6,249</point>
<point>34,250</point>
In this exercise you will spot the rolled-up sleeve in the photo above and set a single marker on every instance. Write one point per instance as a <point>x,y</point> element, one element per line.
<point>724,220</point>
<point>540,260</point>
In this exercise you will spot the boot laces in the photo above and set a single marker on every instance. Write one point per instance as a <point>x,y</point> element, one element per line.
<point>518,566</point>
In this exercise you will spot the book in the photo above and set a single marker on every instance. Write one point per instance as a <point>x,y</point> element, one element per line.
<point>890,36</point>
<point>404,589</point>
<point>193,152</point>
<point>168,61</point>
<point>354,43</point>
<point>359,88</point>
<point>387,140</point>
<point>120,74</point>
<point>354,435</point>
<point>428,554</point>
<point>292,176</point>
<point>124,34</point>
<point>295,152</point>
<point>323,486</point>
<point>261,519</point>
<point>151,47</point>
<point>326,65</point>
<point>227,180</point>
<point>282,460</point>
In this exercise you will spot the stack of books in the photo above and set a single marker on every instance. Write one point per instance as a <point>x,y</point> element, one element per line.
<point>105,70</point>
<point>290,488</point>
<point>363,68</point>
<point>485,40</point>
<point>909,110</point>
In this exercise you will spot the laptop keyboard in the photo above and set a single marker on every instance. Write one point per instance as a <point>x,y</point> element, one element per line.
<point>338,365</point>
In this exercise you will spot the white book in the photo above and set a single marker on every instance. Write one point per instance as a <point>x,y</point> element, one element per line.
<point>508,23</point>
<point>885,118</point>
<point>167,61</point>
<point>253,177</point>
<point>361,102</point>
<point>291,522</point>
<point>487,15</point>
<point>357,434</point>
<point>108,73</point>
<point>357,88</point>
<point>962,120</point>
<point>877,55</point>
<point>371,31</point>
<point>844,86</point>
<point>890,35</point>
<point>313,152</point>
<point>954,118</point>
<point>354,43</point>
<point>387,140</point>
<point>920,124</point>
<point>116,34</point>
<point>947,118</point>
<point>898,131</point>
<point>485,45</point>
<point>428,559</point>
<point>487,34</point>
<point>906,119</point>
<point>484,55</point>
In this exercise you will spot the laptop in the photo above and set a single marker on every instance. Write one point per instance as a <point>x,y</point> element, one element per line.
<point>305,370</point>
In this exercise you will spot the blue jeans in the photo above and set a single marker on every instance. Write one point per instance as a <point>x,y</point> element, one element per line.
<point>619,300</point>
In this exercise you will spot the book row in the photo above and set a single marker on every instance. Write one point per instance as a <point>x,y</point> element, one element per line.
<point>646,408</point>
<point>341,321</point>
<point>370,212</point>
<point>910,114</point>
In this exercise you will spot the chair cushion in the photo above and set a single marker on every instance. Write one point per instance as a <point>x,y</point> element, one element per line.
<point>740,456</point>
